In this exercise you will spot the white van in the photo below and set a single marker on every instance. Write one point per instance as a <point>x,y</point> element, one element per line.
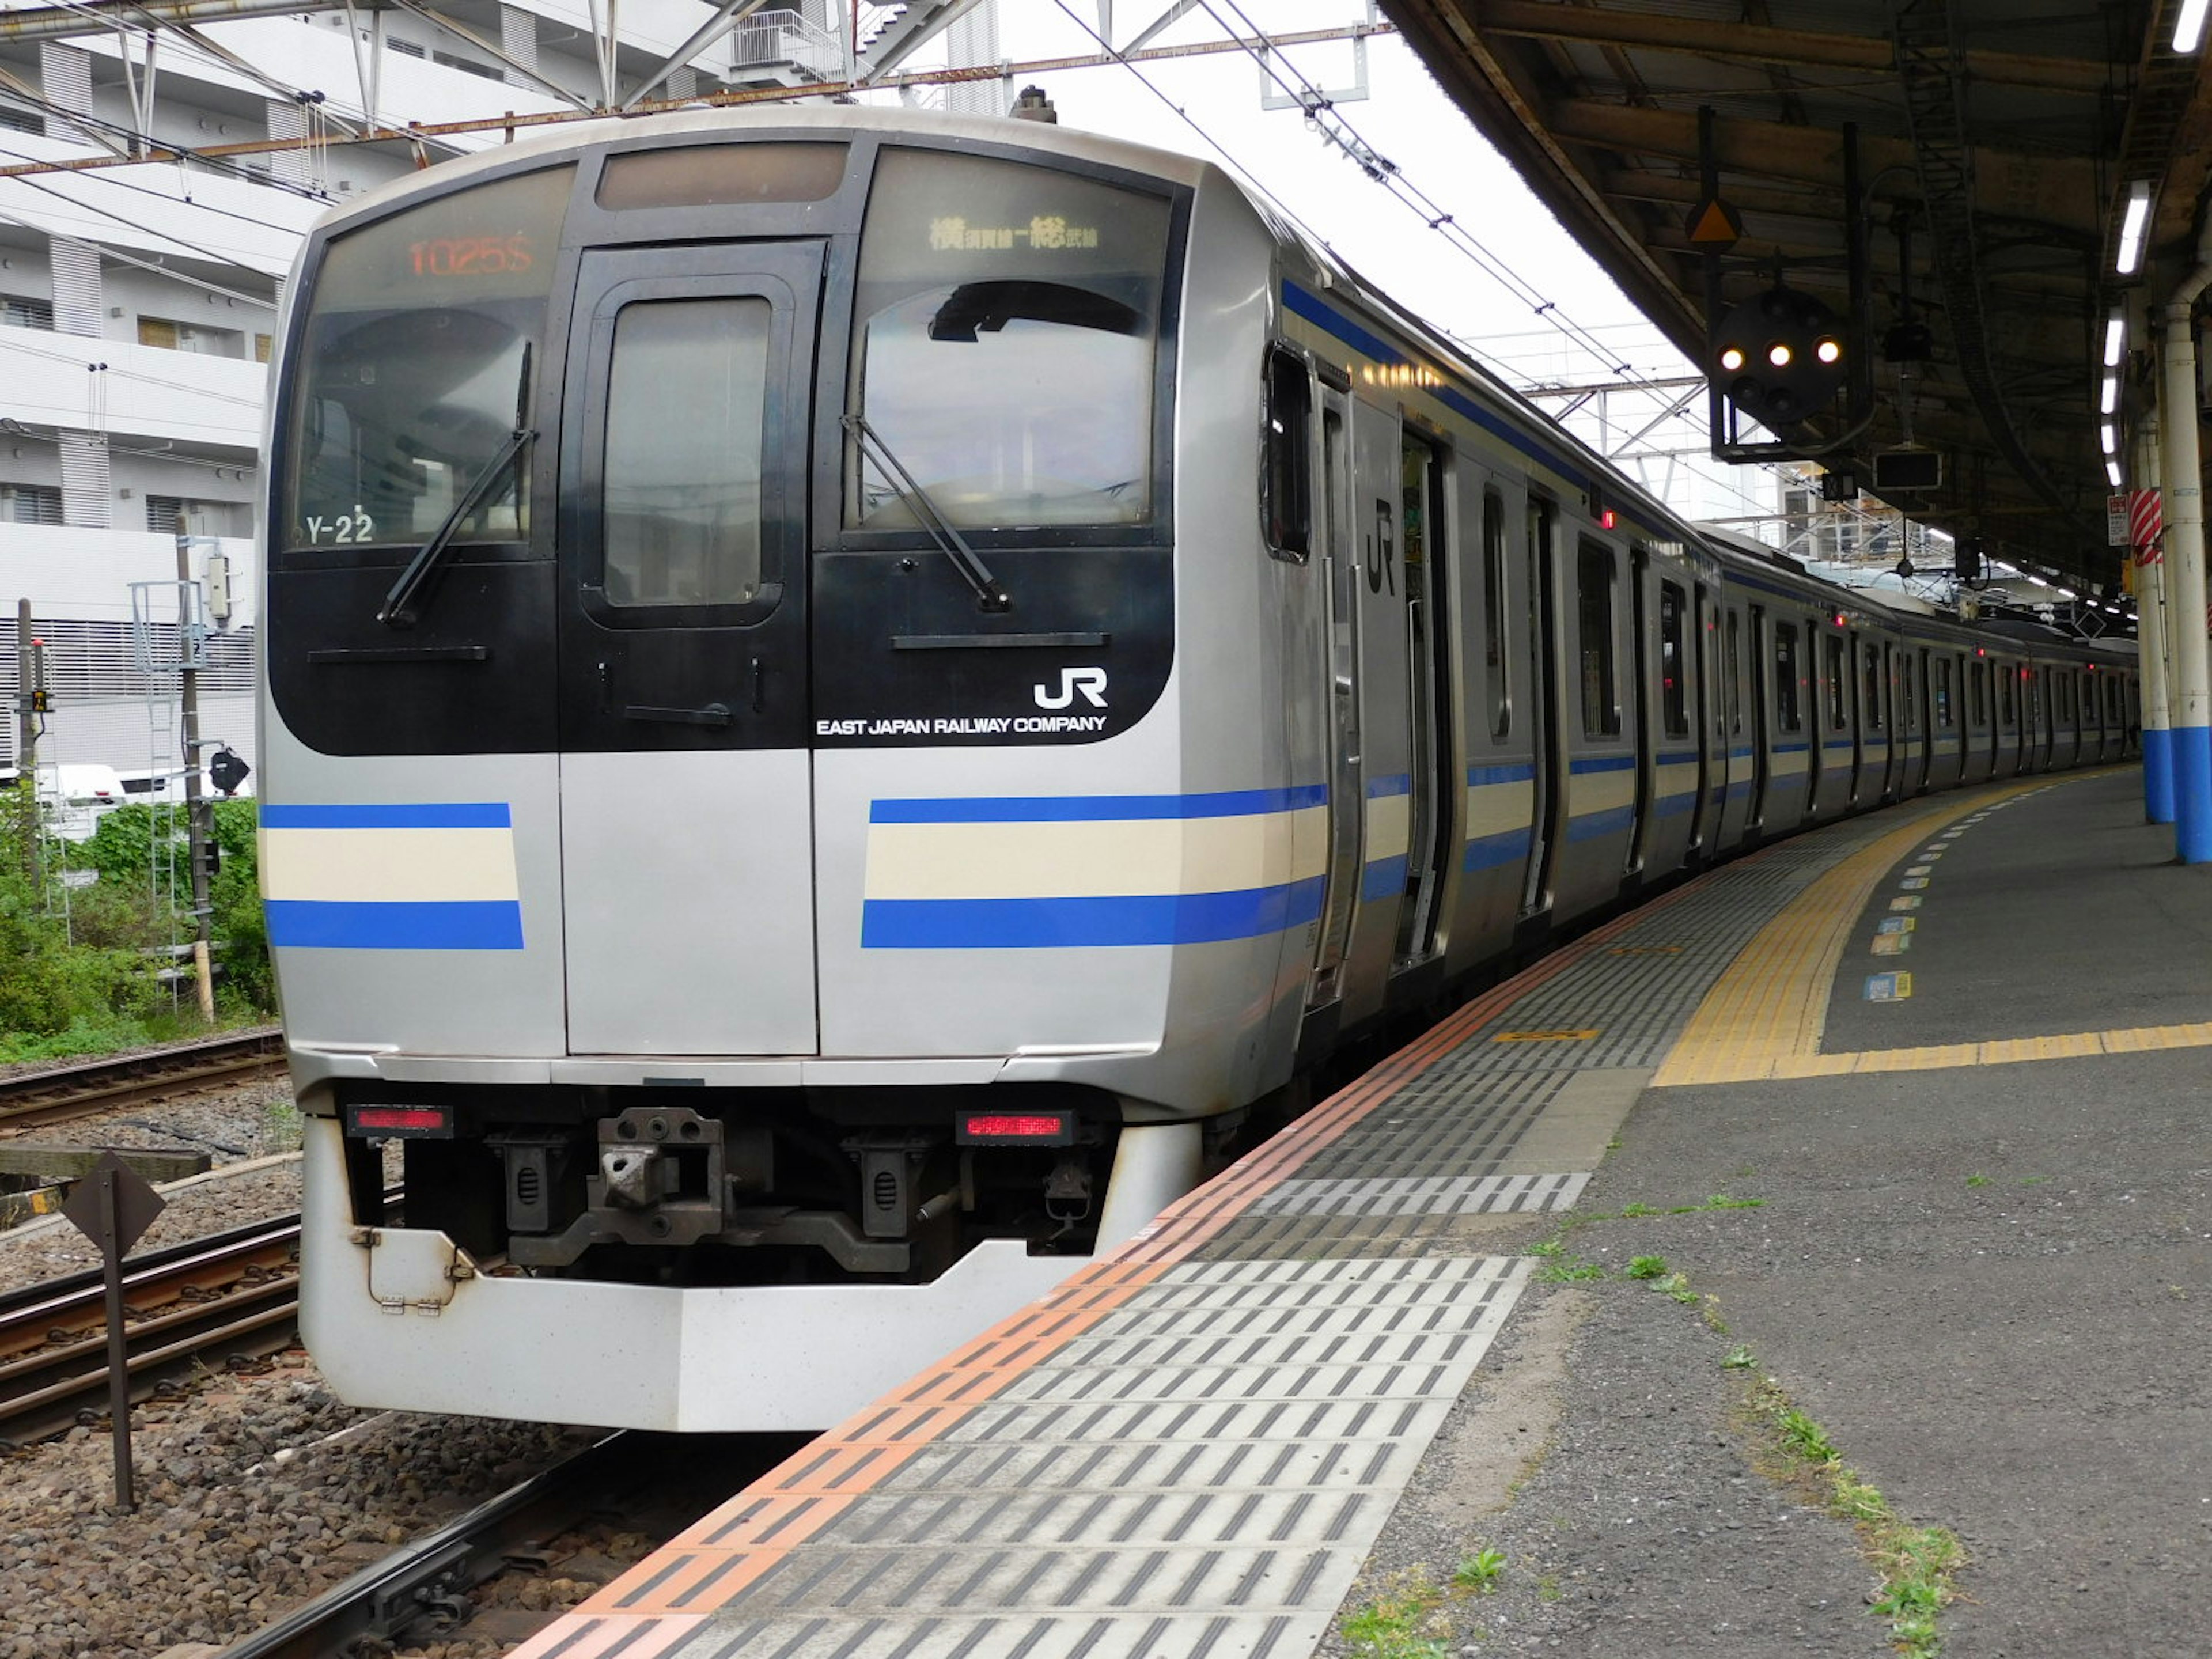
<point>73,798</point>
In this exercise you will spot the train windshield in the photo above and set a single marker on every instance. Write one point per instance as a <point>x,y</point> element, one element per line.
<point>1006,344</point>
<point>415,368</point>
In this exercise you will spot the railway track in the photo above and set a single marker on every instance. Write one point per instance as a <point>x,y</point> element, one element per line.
<point>648,1483</point>
<point>31,1099</point>
<point>233,1295</point>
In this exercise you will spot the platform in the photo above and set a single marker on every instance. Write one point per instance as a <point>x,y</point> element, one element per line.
<point>1979,1259</point>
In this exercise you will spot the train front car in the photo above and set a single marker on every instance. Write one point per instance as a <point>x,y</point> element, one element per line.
<point>748,809</point>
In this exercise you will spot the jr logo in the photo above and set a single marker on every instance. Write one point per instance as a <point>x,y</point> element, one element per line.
<point>1091,681</point>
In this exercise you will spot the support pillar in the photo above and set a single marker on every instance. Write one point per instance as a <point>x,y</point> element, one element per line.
<point>2183,480</point>
<point>2150,639</point>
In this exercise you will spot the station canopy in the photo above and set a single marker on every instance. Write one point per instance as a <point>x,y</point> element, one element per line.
<point>1999,147</point>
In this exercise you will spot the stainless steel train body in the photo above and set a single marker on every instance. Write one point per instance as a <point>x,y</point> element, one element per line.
<point>844,692</point>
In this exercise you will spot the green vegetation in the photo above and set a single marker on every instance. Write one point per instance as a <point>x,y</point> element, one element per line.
<point>1481,1572</point>
<point>1401,1622</point>
<point>76,974</point>
<point>1570,1272</point>
<point>1648,1267</point>
<point>1917,1564</point>
<point>1411,1618</point>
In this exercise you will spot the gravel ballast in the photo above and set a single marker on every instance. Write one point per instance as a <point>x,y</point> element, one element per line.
<point>247,1506</point>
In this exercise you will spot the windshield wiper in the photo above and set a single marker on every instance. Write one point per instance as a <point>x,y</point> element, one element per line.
<point>399,608</point>
<point>989,595</point>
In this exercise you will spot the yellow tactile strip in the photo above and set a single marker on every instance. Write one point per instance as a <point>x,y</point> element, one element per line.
<point>1766,1015</point>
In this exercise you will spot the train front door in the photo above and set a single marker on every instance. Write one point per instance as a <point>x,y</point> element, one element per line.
<point>686,794</point>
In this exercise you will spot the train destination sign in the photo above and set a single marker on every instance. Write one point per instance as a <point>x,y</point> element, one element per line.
<point>952,233</point>
<point>470,256</point>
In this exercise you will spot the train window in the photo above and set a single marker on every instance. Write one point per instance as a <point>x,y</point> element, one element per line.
<point>1788,677</point>
<point>1871,699</point>
<point>1006,335</point>
<point>1674,700</point>
<point>1494,612</point>
<point>1594,589</point>
<point>417,357</point>
<point>1287,477</point>
<point>684,497</point>
<point>2006,678</point>
<point>1943,710</point>
<point>1979,680</point>
<point>721,175</point>
<point>1732,657</point>
<point>1909,692</point>
<point>1832,672</point>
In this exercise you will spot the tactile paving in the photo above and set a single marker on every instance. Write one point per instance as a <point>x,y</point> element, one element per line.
<point>1203,1471</point>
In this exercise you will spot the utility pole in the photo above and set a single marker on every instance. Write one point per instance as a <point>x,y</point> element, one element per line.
<point>30,703</point>
<point>199,812</point>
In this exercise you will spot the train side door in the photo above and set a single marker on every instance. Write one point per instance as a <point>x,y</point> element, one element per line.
<point>1712,725</point>
<point>1424,530</point>
<point>686,825</point>
<point>1543,659</point>
<point>1340,573</point>
<point>1757,670</point>
<point>1647,711</point>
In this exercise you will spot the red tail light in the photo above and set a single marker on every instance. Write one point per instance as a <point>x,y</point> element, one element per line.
<point>1029,1128</point>
<point>425,1120</point>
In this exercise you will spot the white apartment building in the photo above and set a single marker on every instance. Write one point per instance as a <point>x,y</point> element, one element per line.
<point>138,303</point>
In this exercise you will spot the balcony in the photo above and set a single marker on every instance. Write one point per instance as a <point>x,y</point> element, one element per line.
<point>147,392</point>
<point>86,574</point>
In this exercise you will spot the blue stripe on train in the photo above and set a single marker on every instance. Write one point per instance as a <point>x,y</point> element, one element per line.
<point>1046,923</point>
<point>1488,851</point>
<point>1383,878</point>
<point>1515,772</point>
<point>435,814</point>
<point>1591,825</point>
<point>409,925</point>
<point>1067,809</point>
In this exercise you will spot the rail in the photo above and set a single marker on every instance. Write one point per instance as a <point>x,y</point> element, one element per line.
<point>63,1092</point>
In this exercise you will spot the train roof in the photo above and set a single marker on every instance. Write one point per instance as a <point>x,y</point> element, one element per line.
<point>573,137</point>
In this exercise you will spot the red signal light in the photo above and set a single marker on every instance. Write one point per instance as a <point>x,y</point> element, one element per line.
<point>1607,519</point>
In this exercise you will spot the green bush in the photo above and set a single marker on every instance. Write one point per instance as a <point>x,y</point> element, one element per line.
<point>73,977</point>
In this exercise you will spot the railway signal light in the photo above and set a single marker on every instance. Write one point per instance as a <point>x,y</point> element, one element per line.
<point>225,771</point>
<point>1779,357</point>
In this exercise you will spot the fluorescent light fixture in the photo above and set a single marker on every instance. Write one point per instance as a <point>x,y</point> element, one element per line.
<point>2131,228</point>
<point>2037,579</point>
<point>2115,338</point>
<point>2109,399</point>
<point>2110,435</point>
<point>2112,471</point>
<point>2189,28</point>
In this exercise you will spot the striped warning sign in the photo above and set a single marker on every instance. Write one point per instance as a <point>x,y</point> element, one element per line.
<point>2146,523</point>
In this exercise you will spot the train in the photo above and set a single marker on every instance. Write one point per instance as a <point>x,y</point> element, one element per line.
<point>849,699</point>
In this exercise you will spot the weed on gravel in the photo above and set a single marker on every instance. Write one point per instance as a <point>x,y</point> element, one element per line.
<point>1919,1565</point>
<point>1412,1617</point>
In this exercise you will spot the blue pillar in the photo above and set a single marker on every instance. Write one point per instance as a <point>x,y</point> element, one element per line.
<point>2192,793</point>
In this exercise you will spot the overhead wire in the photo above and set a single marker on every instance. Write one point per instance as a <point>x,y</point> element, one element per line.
<point>208,254</point>
<point>97,340</point>
<point>1380,170</point>
<point>222,166</point>
<point>1317,102</point>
